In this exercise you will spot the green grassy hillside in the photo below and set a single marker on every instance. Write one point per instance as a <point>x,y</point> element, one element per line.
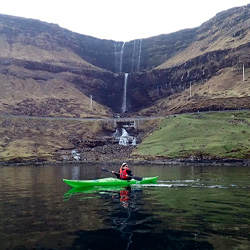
<point>214,135</point>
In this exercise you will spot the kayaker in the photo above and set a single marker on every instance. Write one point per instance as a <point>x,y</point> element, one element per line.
<point>124,173</point>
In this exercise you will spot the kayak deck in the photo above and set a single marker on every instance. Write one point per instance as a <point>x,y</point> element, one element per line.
<point>109,182</point>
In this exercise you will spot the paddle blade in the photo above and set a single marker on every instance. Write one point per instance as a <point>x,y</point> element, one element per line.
<point>105,170</point>
<point>137,178</point>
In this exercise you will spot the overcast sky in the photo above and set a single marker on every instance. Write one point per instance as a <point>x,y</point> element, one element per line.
<point>120,20</point>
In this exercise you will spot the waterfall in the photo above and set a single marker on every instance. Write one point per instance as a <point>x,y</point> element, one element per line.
<point>133,58</point>
<point>134,142</point>
<point>139,58</point>
<point>124,138</point>
<point>117,133</point>
<point>124,100</point>
<point>116,58</point>
<point>135,53</point>
<point>76,155</point>
<point>121,57</point>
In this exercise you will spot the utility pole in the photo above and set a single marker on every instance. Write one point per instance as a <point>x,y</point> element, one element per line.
<point>91,101</point>
<point>243,72</point>
<point>190,90</point>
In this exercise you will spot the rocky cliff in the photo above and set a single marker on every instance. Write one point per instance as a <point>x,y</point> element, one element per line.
<point>199,55</point>
<point>50,71</point>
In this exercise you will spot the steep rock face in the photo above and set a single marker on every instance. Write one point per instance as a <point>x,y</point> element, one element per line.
<point>52,38</point>
<point>38,53</point>
<point>221,43</point>
<point>30,88</point>
<point>43,57</point>
<point>147,87</point>
<point>227,30</point>
<point>145,54</point>
<point>49,71</point>
<point>133,56</point>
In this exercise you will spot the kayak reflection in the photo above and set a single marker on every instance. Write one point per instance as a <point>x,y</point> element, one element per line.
<point>97,189</point>
<point>124,200</point>
<point>123,194</point>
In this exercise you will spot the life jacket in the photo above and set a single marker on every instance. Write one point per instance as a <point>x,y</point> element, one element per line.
<point>123,173</point>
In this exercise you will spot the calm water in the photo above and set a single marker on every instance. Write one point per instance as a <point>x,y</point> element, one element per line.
<point>189,208</point>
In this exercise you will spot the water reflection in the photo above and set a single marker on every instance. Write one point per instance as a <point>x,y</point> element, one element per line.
<point>131,224</point>
<point>189,208</point>
<point>75,172</point>
<point>126,198</point>
<point>124,215</point>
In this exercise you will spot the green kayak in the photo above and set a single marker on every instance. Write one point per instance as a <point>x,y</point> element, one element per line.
<point>109,182</point>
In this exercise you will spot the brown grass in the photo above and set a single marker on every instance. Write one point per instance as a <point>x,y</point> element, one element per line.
<point>40,138</point>
<point>15,90</point>
<point>213,40</point>
<point>227,84</point>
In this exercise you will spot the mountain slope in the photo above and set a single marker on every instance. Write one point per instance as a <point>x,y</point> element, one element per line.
<point>220,45</point>
<point>227,30</point>
<point>54,96</point>
<point>42,56</point>
<point>222,92</point>
<point>42,75</point>
<point>49,71</point>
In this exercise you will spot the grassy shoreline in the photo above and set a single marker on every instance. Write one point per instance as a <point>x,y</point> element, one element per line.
<point>167,162</point>
<point>208,138</point>
<point>224,135</point>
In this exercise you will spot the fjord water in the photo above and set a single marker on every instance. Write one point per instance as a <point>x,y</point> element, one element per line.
<point>191,207</point>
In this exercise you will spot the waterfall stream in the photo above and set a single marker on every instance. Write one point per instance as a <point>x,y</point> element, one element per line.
<point>124,99</point>
<point>119,49</point>
<point>121,58</point>
<point>121,135</point>
<point>136,56</point>
<point>116,58</point>
<point>124,138</point>
<point>133,58</point>
<point>139,58</point>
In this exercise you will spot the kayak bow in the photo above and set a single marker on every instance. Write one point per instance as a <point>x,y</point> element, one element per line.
<point>109,182</point>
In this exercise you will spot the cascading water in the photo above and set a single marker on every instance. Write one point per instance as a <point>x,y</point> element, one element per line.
<point>124,99</point>
<point>133,58</point>
<point>121,58</point>
<point>76,155</point>
<point>118,56</point>
<point>123,138</point>
<point>117,61</point>
<point>121,135</point>
<point>136,57</point>
<point>134,142</point>
<point>139,58</point>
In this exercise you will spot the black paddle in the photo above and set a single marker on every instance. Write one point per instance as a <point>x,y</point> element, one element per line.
<point>134,177</point>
